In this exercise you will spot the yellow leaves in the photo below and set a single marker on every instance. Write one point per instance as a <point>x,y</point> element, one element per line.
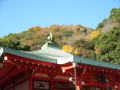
<point>76,52</point>
<point>94,34</point>
<point>70,49</point>
<point>67,48</point>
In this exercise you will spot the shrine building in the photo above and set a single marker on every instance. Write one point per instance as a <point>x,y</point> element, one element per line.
<point>51,68</point>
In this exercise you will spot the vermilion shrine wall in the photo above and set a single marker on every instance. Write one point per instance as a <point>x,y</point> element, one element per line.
<point>21,86</point>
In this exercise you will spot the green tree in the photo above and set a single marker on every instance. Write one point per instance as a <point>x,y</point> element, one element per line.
<point>115,15</point>
<point>108,46</point>
<point>13,44</point>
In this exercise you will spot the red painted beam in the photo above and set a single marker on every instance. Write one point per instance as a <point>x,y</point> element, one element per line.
<point>12,74</point>
<point>25,60</point>
<point>5,72</point>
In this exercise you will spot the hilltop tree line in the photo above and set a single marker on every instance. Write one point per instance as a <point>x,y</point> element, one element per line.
<point>101,44</point>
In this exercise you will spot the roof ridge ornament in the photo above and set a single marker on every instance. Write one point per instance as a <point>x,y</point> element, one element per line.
<point>50,38</point>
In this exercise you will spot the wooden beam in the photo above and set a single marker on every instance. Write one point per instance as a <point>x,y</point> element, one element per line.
<point>11,74</point>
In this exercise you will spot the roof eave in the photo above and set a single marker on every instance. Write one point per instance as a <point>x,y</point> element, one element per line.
<point>96,63</point>
<point>25,55</point>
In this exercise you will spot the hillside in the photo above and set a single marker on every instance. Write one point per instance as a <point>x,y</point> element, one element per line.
<point>63,35</point>
<point>100,44</point>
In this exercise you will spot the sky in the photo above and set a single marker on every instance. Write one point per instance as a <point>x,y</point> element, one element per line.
<point>19,15</point>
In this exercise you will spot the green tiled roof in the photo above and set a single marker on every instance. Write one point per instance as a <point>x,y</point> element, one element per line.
<point>46,54</point>
<point>95,63</point>
<point>50,52</point>
<point>53,55</point>
<point>26,55</point>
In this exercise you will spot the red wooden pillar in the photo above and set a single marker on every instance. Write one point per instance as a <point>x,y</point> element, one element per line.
<point>52,84</point>
<point>118,87</point>
<point>31,83</point>
<point>52,81</point>
<point>79,85</point>
<point>103,88</point>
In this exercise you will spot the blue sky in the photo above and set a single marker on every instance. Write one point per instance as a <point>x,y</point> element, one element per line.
<point>19,15</point>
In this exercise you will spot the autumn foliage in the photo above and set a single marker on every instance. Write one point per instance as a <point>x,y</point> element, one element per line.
<point>94,34</point>
<point>70,49</point>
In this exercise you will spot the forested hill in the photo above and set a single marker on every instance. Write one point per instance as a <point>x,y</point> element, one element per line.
<point>62,35</point>
<point>103,43</point>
